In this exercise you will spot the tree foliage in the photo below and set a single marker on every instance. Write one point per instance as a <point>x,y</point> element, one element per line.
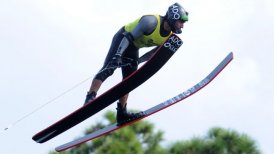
<point>138,138</point>
<point>217,141</point>
<point>141,138</point>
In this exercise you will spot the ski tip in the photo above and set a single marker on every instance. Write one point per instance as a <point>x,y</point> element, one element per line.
<point>231,54</point>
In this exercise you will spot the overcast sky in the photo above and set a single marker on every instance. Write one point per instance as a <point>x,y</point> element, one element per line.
<point>48,46</point>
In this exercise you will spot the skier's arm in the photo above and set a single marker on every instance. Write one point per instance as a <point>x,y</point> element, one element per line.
<point>147,25</point>
<point>128,38</point>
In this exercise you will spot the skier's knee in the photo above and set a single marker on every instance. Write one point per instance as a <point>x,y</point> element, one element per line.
<point>103,75</point>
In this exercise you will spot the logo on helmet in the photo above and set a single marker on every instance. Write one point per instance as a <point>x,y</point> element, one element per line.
<point>175,11</point>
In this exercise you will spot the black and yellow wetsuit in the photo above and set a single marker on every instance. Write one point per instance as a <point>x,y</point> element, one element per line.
<point>146,31</point>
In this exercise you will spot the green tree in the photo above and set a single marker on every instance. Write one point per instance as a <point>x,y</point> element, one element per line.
<point>138,138</point>
<point>217,141</point>
<point>141,138</point>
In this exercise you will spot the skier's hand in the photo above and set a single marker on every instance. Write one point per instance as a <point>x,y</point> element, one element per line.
<point>117,61</point>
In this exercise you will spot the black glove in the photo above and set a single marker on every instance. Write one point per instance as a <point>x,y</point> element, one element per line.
<point>117,61</point>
